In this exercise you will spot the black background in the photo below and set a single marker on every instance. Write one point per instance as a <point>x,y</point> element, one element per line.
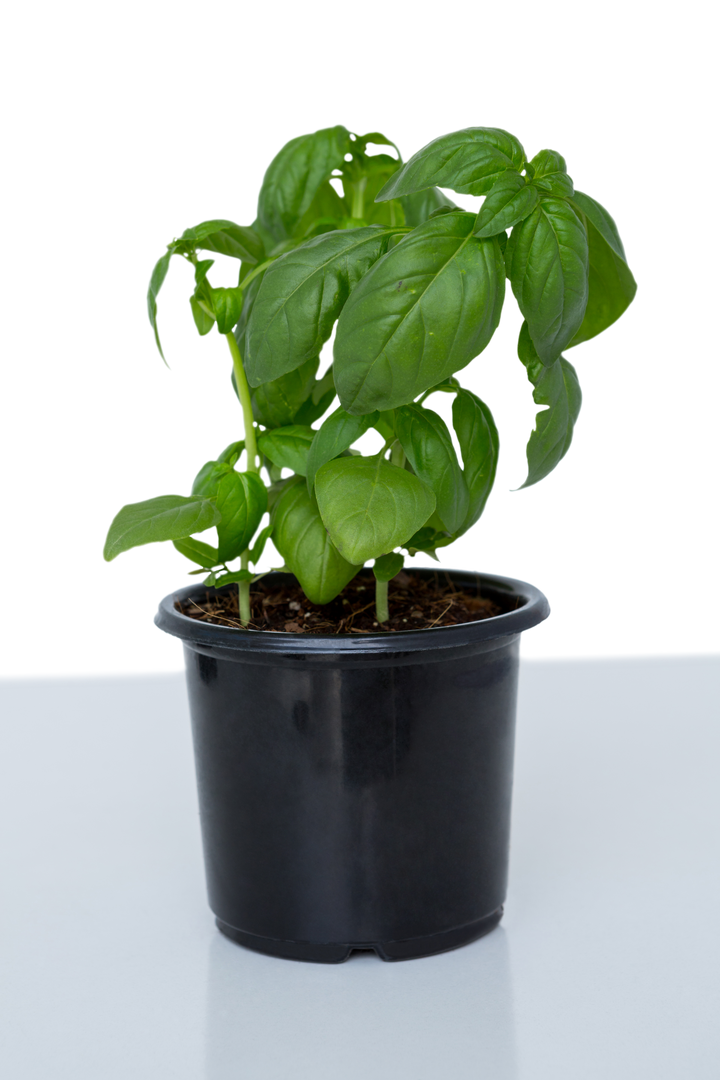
<point>620,536</point>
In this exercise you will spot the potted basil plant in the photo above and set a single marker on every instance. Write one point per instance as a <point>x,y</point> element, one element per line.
<point>353,718</point>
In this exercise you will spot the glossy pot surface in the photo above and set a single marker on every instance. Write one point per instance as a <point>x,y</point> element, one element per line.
<point>355,790</point>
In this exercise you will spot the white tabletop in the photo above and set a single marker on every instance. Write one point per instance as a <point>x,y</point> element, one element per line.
<point>605,966</point>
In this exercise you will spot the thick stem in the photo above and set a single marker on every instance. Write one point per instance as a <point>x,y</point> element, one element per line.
<point>252,465</point>
<point>357,209</point>
<point>381,601</point>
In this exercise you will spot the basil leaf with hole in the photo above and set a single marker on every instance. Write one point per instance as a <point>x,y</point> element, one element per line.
<point>241,501</point>
<point>169,517</point>
<point>422,312</point>
<point>467,161</point>
<point>548,268</point>
<point>479,446</point>
<point>198,552</point>
<point>301,296</point>
<point>370,507</point>
<point>428,447</point>
<point>550,174</point>
<point>388,566</point>
<point>278,403</point>
<point>287,447</point>
<point>156,281</point>
<point>557,387</point>
<point>302,540</point>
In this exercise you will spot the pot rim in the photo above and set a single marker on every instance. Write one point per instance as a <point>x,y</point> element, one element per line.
<point>532,609</point>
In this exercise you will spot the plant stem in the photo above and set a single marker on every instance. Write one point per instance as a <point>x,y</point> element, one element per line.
<point>381,601</point>
<point>252,465</point>
<point>358,198</point>
<point>397,455</point>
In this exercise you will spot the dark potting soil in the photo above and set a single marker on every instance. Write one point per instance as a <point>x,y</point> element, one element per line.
<point>415,603</point>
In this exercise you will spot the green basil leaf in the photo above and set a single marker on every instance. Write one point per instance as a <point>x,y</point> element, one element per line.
<point>376,171</point>
<point>303,542</point>
<point>387,566</point>
<point>203,321</point>
<point>294,177</point>
<point>156,281</point>
<point>421,204</point>
<point>339,432</point>
<point>320,399</point>
<point>242,501</point>
<point>424,540</point>
<point>231,454</point>
<point>550,174</point>
<point>421,312</point>
<point>511,199</point>
<point>323,213</point>
<point>428,447</point>
<point>226,238</point>
<point>479,446</point>
<point>287,447</point>
<point>557,387</point>
<point>467,161</point>
<point>548,268</point>
<point>612,285</point>
<point>198,552</point>
<point>169,517</point>
<point>602,221</point>
<point>278,403</point>
<point>206,482</point>
<point>233,577</point>
<point>370,507</point>
<point>258,547</point>
<point>228,305</point>
<point>301,296</point>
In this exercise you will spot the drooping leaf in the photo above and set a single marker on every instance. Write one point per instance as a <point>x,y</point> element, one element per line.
<point>479,446</point>
<point>295,176</point>
<point>387,566</point>
<point>420,313</point>
<point>550,174</point>
<point>370,507</point>
<point>302,540</point>
<point>156,280</point>
<point>169,517</point>
<point>301,296</point>
<point>241,501</point>
<point>198,552</point>
<point>548,268</point>
<point>287,447</point>
<point>277,403</point>
<point>467,161</point>
<point>612,286</point>
<point>226,238</point>
<point>339,432</point>
<point>428,447</point>
<point>421,204</point>
<point>557,387</point>
<point>511,199</point>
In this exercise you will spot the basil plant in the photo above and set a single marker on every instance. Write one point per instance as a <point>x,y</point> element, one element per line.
<point>414,287</point>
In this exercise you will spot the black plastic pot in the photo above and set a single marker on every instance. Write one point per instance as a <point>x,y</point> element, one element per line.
<point>355,790</point>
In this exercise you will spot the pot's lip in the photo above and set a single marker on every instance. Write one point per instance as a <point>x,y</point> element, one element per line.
<point>532,608</point>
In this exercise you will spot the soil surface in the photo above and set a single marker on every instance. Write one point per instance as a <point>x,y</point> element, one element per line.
<point>415,603</point>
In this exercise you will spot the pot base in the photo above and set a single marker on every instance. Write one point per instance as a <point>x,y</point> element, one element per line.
<point>336,952</point>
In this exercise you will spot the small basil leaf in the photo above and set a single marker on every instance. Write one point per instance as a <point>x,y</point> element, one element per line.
<point>156,280</point>
<point>339,432</point>
<point>198,552</point>
<point>370,507</point>
<point>557,387</point>
<point>421,204</point>
<point>233,577</point>
<point>428,447</point>
<point>169,517</point>
<point>612,286</point>
<point>278,403</point>
<point>226,238</point>
<point>206,482</point>
<point>302,541</point>
<point>203,321</point>
<point>511,199</point>
<point>479,446</point>
<point>287,447</point>
<point>550,174</point>
<point>227,304</point>
<point>241,501</point>
<point>231,453</point>
<point>258,547</point>
<point>387,566</point>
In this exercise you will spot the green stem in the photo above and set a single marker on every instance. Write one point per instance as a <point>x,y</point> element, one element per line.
<point>358,198</point>
<point>381,601</point>
<point>397,455</point>
<point>252,465</point>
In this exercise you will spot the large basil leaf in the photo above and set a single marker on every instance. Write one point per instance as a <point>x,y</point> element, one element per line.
<point>339,432</point>
<point>467,161</point>
<point>301,296</point>
<point>510,200</point>
<point>557,387</point>
<point>277,403</point>
<point>612,286</point>
<point>421,312</point>
<point>287,447</point>
<point>428,447</point>
<point>303,542</point>
<point>226,238</point>
<point>547,259</point>
<point>370,507</point>
<point>294,177</point>
<point>156,281</point>
<point>169,517</point>
<point>479,446</point>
